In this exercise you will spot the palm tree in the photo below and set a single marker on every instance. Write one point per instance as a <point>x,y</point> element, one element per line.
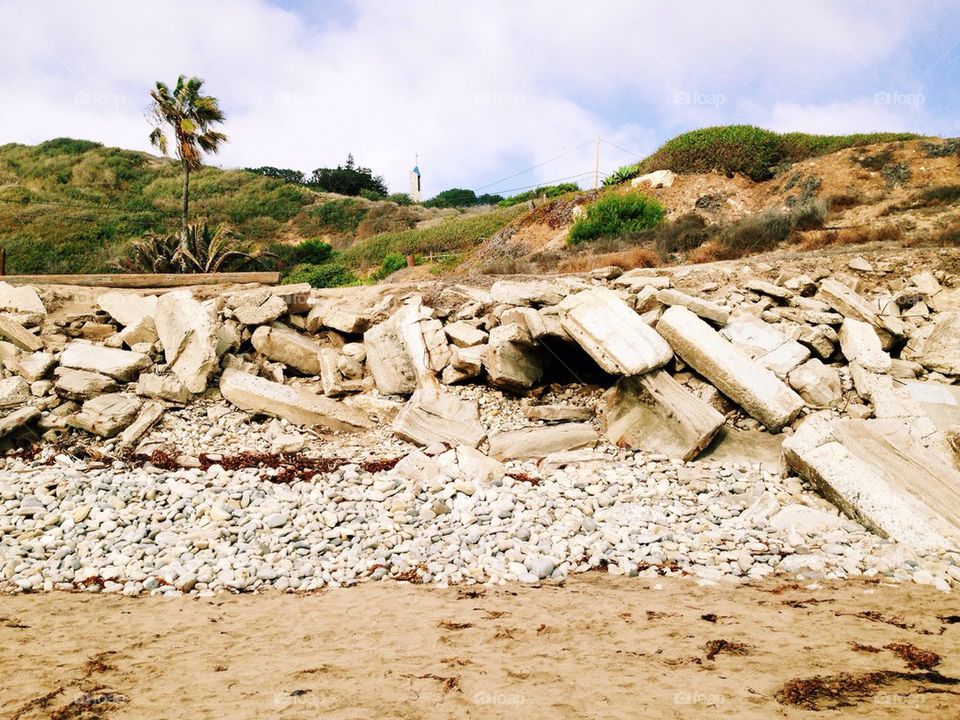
<point>191,116</point>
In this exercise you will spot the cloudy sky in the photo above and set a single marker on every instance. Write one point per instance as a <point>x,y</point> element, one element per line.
<point>482,91</point>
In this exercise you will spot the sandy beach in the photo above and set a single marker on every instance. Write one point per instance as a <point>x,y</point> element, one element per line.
<point>595,646</point>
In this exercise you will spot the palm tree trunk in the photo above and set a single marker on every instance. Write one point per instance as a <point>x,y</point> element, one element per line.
<point>186,204</point>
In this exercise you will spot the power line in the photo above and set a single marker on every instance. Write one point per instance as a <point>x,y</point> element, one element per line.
<point>548,182</point>
<point>523,172</point>
<point>629,152</point>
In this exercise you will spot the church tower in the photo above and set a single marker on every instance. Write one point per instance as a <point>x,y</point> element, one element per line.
<point>415,181</point>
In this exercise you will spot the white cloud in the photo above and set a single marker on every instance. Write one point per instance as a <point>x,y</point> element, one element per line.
<point>479,89</point>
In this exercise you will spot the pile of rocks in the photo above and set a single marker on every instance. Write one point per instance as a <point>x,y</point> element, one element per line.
<point>863,388</point>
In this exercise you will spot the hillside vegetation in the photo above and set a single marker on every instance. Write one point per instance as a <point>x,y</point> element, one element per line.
<point>750,150</point>
<point>75,206</point>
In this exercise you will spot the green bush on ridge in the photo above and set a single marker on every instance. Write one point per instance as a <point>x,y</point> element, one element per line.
<point>616,215</point>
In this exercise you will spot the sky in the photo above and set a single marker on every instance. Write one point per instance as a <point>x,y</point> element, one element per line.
<point>494,96</point>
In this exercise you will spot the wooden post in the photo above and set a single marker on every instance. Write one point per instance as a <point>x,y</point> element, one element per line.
<point>3,261</point>
<point>410,261</point>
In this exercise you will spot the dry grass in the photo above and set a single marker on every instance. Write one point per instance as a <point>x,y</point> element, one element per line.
<point>850,236</point>
<point>948,236</point>
<point>711,251</point>
<point>636,257</point>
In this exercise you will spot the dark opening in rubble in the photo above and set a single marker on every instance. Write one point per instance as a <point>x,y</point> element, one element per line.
<point>567,362</point>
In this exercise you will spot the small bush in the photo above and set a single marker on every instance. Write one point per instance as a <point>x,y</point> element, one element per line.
<point>950,146</point>
<point>340,215</point>
<point>621,175</point>
<point>685,233</point>
<point>755,233</point>
<point>391,263</point>
<point>616,215</point>
<point>309,252</point>
<point>324,275</point>
<point>400,199</point>
<point>896,174</point>
<point>843,201</point>
<point>368,194</point>
<point>810,216</point>
<point>544,191</point>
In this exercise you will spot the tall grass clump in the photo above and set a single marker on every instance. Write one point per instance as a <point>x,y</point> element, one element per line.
<point>616,215</point>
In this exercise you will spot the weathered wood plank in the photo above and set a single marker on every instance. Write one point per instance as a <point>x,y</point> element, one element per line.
<point>146,280</point>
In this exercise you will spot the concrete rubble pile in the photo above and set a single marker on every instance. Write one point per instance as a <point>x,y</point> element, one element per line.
<point>825,363</point>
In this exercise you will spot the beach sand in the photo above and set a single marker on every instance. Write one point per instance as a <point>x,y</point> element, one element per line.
<point>598,646</point>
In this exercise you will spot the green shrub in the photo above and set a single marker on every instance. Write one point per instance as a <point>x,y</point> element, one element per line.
<point>453,198</point>
<point>340,215</point>
<point>369,194</point>
<point>323,275</point>
<point>309,252</point>
<point>750,150</point>
<point>621,175</point>
<point>547,191</point>
<point>400,198</point>
<point>391,263</point>
<point>616,215</point>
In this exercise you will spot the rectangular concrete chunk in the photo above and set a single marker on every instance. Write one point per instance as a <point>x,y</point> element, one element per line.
<point>106,415</point>
<point>282,344</point>
<point>302,407</point>
<point>654,413</point>
<point>874,472</point>
<point>613,334</point>
<point>439,417</point>
<point>148,416</point>
<point>703,308</point>
<point>538,442</point>
<point>851,305</point>
<point>860,343</point>
<point>121,365</point>
<point>755,388</point>
<point>17,334</point>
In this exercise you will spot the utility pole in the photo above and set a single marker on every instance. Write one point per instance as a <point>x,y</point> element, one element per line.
<point>596,165</point>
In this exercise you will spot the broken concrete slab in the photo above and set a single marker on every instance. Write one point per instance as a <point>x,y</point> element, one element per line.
<point>821,339</point>
<point>438,349</point>
<point>149,414</point>
<point>82,384</point>
<point>300,407</point>
<point>163,387</point>
<point>762,287</point>
<point>937,346</point>
<point>860,343</point>
<point>122,365</point>
<point>128,308</point>
<point>654,413</point>
<point>754,337</point>
<point>745,446</point>
<point>512,364</point>
<point>477,467</point>
<point>939,401</point>
<point>818,384</point>
<point>19,418</point>
<point>337,316</point>
<point>17,334</point>
<point>635,280</point>
<point>511,292</point>
<point>851,305</point>
<point>806,520</point>
<point>105,415</point>
<point>613,334</point>
<point>704,308</point>
<point>140,333</point>
<point>32,366</point>
<point>465,363</point>
<point>387,359</point>
<point>463,334</point>
<point>875,473</point>
<point>439,417</point>
<point>267,310</point>
<point>22,300</point>
<point>538,442</point>
<point>785,358</point>
<point>285,345</point>
<point>188,333</point>
<point>558,413</point>
<point>752,386</point>
<point>13,391</point>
